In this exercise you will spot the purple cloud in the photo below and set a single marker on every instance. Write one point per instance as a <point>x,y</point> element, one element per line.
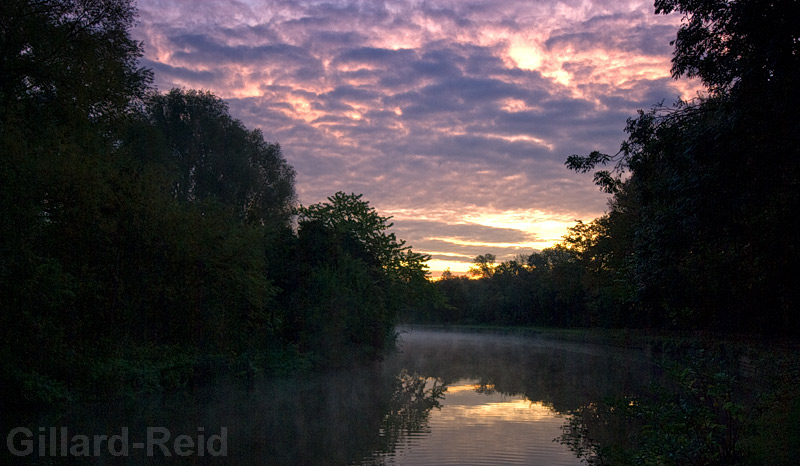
<point>454,117</point>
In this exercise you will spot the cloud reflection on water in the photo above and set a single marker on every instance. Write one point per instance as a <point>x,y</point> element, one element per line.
<point>478,425</point>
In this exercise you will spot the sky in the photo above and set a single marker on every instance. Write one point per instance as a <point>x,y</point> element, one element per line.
<point>453,117</point>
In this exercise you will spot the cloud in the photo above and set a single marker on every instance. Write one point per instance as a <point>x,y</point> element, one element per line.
<point>456,117</point>
<point>179,73</point>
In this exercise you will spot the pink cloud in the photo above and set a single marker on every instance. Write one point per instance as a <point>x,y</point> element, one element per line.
<point>420,105</point>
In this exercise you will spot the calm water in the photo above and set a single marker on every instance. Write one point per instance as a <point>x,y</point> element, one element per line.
<point>444,398</point>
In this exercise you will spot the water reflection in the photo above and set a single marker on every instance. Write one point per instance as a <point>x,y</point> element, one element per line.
<point>412,400</point>
<point>478,426</point>
<point>504,395</point>
<point>444,398</point>
<point>563,375</point>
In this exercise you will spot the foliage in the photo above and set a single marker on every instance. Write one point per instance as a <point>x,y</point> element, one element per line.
<point>348,214</point>
<point>147,238</point>
<point>69,79</point>
<point>710,183</point>
<point>358,275</point>
<point>73,56</point>
<point>697,415</point>
<point>736,46</point>
<point>483,266</point>
<point>215,157</point>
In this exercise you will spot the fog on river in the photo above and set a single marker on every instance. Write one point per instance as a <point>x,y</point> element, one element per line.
<point>445,397</point>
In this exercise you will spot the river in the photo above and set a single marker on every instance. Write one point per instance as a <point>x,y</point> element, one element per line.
<point>445,397</point>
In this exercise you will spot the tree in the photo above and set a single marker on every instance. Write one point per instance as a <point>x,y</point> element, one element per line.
<point>69,81</point>
<point>737,46</point>
<point>713,181</point>
<point>70,55</point>
<point>356,276</point>
<point>215,156</point>
<point>483,266</point>
<point>602,247</point>
<point>348,214</point>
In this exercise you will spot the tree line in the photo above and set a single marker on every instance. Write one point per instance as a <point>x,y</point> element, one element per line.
<point>701,230</point>
<point>150,240</point>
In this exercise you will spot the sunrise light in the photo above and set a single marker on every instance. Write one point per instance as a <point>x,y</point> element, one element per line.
<point>476,114</point>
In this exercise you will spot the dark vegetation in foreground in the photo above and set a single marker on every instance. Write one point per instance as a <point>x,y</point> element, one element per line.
<point>151,241</point>
<point>721,401</point>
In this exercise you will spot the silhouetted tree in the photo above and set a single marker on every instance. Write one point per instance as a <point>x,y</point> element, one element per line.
<point>216,157</point>
<point>360,277</point>
<point>713,181</point>
<point>483,266</point>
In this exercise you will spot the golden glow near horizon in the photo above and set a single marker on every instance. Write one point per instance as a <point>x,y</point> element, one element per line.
<point>546,228</point>
<point>458,116</point>
<point>542,230</point>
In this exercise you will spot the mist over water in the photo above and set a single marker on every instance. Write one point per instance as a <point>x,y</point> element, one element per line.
<point>442,398</point>
<point>507,395</point>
